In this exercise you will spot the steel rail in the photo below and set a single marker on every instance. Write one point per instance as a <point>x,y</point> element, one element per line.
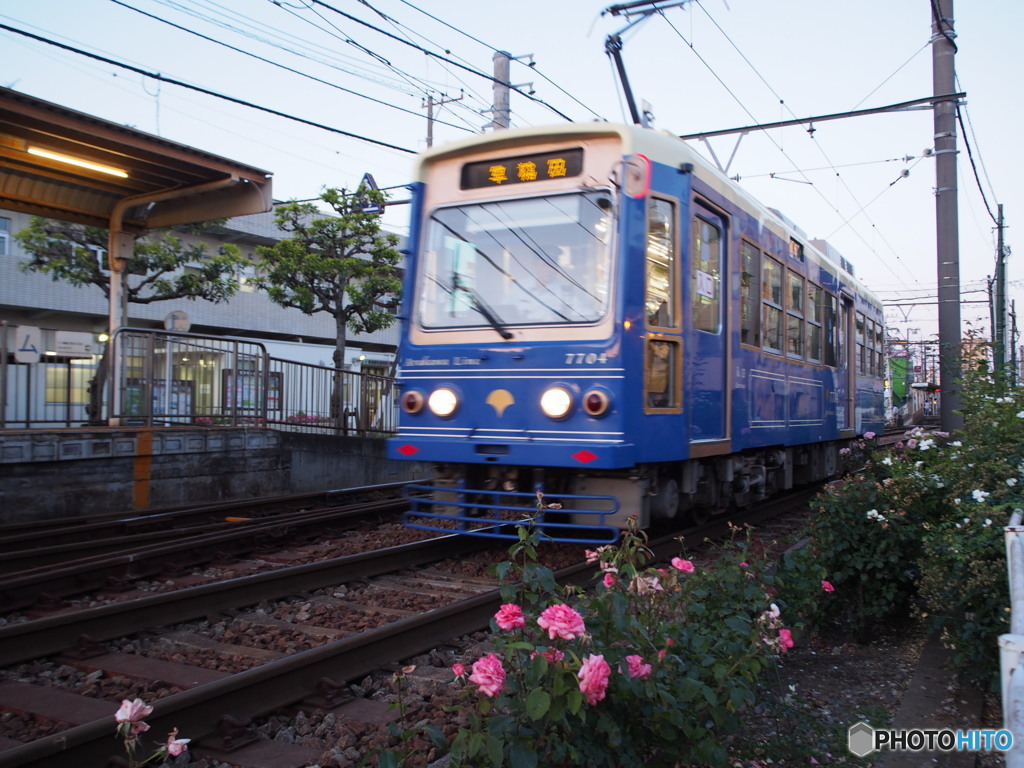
<point>284,682</point>
<point>53,634</point>
<point>22,588</point>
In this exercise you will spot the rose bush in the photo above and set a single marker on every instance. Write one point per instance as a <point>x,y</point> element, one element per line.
<point>922,524</point>
<point>652,666</point>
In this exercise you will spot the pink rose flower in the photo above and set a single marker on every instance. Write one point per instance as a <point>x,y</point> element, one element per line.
<point>785,639</point>
<point>553,655</point>
<point>132,711</point>
<point>869,435</point>
<point>489,675</point>
<point>827,586</point>
<point>458,670</point>
<point>176,746</point>
<point>609,580</point>
<point>561,621</point>
<point>593,678</point>
<point>683,565</point>
<point>510,616</point>
<point>637,669</point>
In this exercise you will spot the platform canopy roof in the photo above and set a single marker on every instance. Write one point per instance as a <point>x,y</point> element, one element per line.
<point>68,165</point>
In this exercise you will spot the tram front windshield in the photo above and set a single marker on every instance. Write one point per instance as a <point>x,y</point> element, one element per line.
<point>528,261</point>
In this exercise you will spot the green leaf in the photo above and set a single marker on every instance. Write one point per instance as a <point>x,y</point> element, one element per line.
<point>521,756</point>
<point>538,703</point>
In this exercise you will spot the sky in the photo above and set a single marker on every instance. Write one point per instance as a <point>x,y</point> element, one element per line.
<point>362,71</point>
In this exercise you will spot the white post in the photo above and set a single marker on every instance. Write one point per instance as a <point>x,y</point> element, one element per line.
<point>1011,646</point>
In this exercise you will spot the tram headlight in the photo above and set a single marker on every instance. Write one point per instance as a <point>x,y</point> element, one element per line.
<point>443,402</point>
<point>556,402</point>
<point>596,402</point>
<point>412,401</point>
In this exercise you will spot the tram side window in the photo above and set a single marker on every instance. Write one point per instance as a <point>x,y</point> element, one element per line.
<point>815,320</point>
<point>662,366</point>
<point>660,300</point>
<point>876,343</point>
<point>707,275</point>
<point>796,250</point>
<point>795,316</point>
<point>862,348</point>
<point>832,335</point>
<point>771,298</point>
<point>750,281</point>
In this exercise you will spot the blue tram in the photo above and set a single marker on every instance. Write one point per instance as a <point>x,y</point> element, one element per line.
<point>594,312</point>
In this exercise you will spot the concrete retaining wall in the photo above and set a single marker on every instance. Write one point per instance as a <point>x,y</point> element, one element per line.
<point>67,473</point>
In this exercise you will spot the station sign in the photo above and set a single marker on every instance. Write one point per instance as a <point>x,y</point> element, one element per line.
<point>28,344</point>
<point>72,343</point>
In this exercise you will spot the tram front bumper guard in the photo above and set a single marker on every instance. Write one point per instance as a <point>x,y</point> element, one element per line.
<point>564,518</point>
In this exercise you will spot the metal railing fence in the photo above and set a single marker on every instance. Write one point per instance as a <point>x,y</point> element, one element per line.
<point>164,378</point>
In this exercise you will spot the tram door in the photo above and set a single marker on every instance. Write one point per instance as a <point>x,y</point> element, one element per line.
<point>706,363</point>
<point>848,367</point>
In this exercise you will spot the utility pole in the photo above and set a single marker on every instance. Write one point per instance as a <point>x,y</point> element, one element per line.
<point>501,110</point>
<point>947,233</point>
<point>430,104</point>
<point>999,353</point>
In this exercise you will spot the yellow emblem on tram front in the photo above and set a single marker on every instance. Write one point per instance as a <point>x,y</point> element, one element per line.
<point>499,400</point>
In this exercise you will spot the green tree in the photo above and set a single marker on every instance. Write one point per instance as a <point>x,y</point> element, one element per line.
<point>73,253</point>
<point>340,263</point>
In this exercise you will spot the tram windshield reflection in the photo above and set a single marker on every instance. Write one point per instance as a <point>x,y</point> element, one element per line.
<point>527,261</point>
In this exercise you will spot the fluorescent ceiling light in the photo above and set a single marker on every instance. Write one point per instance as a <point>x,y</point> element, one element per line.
<point>77,161</point>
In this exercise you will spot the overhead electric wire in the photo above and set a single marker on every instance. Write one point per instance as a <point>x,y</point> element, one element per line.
<point>409,32</point>
<point>277,64</point>
<point>209,12</point>
<point>970,157</point>
<point>225,97</point>
<point>423,50</point>
<point>490,47</point>
<point>862,207</point>
<point>783,152</point>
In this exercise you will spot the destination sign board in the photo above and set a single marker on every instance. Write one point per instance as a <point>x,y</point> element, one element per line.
<point>524,169</point>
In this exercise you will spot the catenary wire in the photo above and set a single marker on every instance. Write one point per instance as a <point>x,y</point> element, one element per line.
<point>225,97</point>
<point>274,63</point>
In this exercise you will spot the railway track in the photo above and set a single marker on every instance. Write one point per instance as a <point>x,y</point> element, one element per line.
<point>49,541</point>
<point>101,559</point>
<point>217,707</point>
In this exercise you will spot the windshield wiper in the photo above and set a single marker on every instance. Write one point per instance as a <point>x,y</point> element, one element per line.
<point>480,306</point>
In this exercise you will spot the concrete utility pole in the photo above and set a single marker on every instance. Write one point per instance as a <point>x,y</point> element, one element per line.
<point>999,326</point>
<point>501,110</point>
<point>947,231</point>
<point>430,114</point>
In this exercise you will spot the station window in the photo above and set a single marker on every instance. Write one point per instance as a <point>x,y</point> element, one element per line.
<point>815,321</point>
<point>750,280</point>
<point>69,382</point>
<point>795,316</point>
<point>5,236</point>
<point>247,279</point>
<point>660,299</point>
<point>771,298</point>
<point>707,274</point>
